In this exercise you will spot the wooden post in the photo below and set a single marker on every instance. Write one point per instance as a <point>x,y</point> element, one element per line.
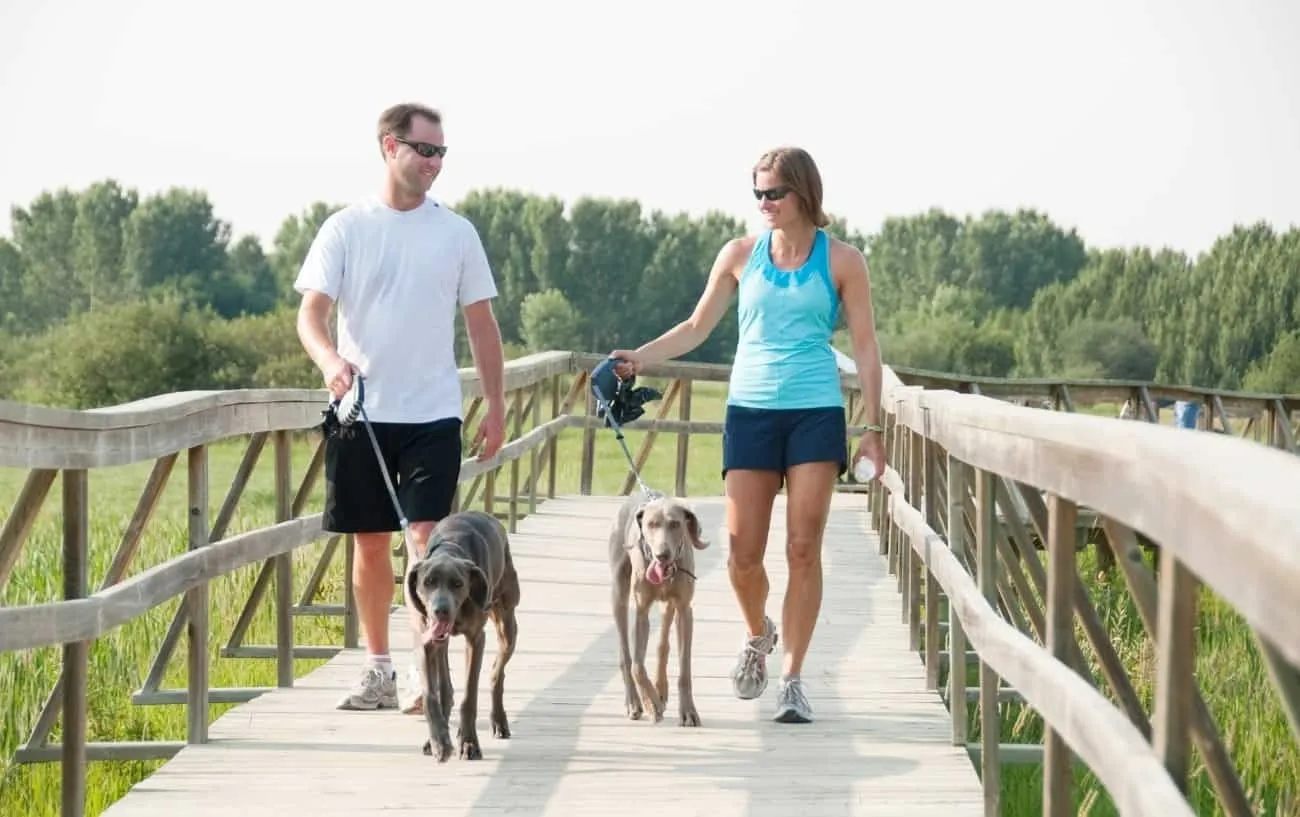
<point>283,563</point>
<point>1057,760</point>
<point>76,654</point>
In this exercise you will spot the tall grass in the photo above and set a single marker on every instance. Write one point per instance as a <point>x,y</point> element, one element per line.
<point>1233,680</point>
<point>1229,667</point>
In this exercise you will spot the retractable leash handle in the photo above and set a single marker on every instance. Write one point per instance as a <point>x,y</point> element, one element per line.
<point>605,384</point>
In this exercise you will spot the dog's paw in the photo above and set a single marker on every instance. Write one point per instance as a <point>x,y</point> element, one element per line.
<point>687,716</point>
<point>632,703</point>
<point>661,687</point>
<point>655,707</point>
<point>441,751</point>
<point>500,726</point>
<point>469,750</point>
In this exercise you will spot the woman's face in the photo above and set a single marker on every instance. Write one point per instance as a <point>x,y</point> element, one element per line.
<point>777,203</point>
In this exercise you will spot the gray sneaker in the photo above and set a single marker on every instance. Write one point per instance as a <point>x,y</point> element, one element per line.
<point>373,691</point>
<point>749,678</point>
<point>791,704</point>
<point>414,693</point>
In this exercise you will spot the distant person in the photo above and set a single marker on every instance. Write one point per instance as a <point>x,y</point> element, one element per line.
<point>398,264</point>
<point>1186,413</point>
<point>785,410</point>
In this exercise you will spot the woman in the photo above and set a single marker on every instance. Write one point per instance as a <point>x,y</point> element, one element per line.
<point>785,411</point>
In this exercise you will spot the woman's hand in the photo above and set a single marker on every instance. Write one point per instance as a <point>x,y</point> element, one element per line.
<point>631,363</point>
<point>872,447</point>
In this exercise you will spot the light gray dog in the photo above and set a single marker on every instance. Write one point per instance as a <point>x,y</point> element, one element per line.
<point>652,559</point>
<point>465,576</point>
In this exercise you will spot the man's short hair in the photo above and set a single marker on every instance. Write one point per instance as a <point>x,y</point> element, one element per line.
<point>398,118</point>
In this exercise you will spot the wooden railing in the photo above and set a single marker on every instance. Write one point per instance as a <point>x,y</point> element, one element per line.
<point>972,479</point>
<point>1222,509</point>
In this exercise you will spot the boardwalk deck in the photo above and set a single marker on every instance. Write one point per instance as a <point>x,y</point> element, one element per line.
<point>880,745</point>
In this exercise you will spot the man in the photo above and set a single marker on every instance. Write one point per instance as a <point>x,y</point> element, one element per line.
<point>397,265</point>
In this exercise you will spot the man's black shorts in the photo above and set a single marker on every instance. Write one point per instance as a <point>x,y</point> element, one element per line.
<point>423,461</point>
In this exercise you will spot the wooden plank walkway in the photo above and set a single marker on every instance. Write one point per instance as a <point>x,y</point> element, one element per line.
<point>880,745</point>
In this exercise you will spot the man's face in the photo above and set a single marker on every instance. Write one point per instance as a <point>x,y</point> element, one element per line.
<point>414,171</point>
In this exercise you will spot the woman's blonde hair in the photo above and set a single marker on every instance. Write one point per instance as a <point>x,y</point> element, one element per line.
<point>799,172</point>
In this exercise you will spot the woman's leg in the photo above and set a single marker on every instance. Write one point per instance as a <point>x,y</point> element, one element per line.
<point>817,453</point>
<point>751,464</point>
<point>749,514</point>
<point>809,488</point>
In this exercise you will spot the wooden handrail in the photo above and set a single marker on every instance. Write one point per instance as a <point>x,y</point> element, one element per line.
<point>55,438</point>
<point>1221,510</point>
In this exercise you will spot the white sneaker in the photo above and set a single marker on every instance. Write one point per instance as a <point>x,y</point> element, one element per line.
<point>749,678</point>
<point>374,690</point>
<point>413,694</point>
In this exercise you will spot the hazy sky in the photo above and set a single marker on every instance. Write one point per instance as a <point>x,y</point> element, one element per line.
<point>1159,122</point>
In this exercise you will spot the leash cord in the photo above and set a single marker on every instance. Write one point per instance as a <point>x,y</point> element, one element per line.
<point>360,410</point>
<point>618,435</point>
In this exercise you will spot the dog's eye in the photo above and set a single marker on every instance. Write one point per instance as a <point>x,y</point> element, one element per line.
<point>674,524</point>
<point>455,584</point>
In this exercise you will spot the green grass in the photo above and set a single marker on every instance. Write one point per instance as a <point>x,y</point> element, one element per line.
<point>1229,668</point>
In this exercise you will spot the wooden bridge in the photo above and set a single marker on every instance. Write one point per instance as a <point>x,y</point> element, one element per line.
<point>909,598</point>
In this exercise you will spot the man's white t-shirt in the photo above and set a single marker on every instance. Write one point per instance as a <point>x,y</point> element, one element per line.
<point>397,278</point>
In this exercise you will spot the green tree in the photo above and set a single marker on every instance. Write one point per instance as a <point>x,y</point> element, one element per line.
<point>548,321</point>
<point>1278,372</point>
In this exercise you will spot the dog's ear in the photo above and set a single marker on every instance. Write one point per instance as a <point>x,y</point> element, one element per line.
<point>640,514</point>
<point>413,589</point>
<point>693,526</point>
<point>478,584</point>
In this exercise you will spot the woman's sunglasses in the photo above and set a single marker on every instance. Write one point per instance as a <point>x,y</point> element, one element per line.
<point>425,149</point>
<point>772,193</point>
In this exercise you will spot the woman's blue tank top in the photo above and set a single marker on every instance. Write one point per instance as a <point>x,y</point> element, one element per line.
<point>784,358</point>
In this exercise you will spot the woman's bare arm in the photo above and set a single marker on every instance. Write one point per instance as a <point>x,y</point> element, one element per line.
<point>855,295</point>
<point>709,310</point>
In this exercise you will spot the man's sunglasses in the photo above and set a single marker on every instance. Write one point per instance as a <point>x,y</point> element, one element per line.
<point>772,193</point>
<point>425,149</point>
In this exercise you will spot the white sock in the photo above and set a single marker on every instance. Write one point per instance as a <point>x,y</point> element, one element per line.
<point>381,662</point>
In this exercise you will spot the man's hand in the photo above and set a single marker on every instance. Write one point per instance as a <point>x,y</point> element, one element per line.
<point>872,447</point>
<point>491,431</point>
<point>338,376</point>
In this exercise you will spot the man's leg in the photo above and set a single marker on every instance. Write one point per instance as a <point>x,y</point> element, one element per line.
<point>428,464</point>
<point>357,502</point>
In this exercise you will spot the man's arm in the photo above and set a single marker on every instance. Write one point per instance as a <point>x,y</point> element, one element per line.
<point>485,345</point>
<point>319,281</point>
<point>476,291</point>
<point>313,328</point>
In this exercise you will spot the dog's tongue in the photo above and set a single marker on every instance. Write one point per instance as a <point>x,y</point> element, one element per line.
<point>437,631</point>
<point>655,573</point>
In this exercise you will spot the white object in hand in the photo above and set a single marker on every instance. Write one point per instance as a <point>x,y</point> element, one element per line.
<point>865,470</point>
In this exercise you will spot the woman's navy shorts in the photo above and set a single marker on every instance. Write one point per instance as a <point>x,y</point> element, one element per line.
<point>776,439</point>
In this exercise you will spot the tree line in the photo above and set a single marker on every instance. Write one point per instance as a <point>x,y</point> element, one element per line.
<point>108,296</point>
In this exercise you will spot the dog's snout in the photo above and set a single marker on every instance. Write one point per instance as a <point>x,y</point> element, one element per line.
<point>442,608</point>
<point>664,558</point>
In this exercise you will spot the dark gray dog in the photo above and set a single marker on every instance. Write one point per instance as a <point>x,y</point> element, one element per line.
<point>652,560</point>
<point>465,576</point>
